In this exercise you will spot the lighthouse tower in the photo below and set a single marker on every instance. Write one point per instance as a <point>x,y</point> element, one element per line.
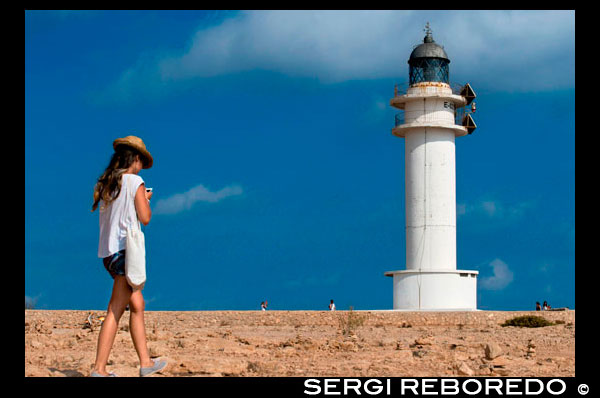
<point>433,116</point>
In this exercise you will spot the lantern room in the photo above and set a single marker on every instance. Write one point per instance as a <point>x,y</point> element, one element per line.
<point>428,62</point>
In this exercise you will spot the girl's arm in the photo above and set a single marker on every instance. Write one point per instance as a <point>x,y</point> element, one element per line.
<point>142,206</point>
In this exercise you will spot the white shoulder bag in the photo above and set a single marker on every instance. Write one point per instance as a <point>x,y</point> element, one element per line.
<point>135,253</point>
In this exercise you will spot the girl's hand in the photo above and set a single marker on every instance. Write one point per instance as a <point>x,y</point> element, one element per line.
<point>142,204</point>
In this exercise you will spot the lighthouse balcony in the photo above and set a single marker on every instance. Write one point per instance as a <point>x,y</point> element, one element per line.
<point>460,95</point>
<point>447,116</point>
<point>464,90</point>
<point>400,101</point>
<point>406,121</point>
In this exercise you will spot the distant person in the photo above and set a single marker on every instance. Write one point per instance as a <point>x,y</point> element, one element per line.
<point>263,306</point>
<point>546,307</point>
<point>538,307</point>
<point>331,306</point>
<point>120,192</point>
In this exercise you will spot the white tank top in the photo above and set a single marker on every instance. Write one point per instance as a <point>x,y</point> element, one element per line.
<point>117,216</point>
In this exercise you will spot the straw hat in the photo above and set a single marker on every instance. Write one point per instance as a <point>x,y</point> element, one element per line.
<point>136,143</point>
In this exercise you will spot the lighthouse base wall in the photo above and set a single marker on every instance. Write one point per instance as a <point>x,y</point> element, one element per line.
<point>432,290</point>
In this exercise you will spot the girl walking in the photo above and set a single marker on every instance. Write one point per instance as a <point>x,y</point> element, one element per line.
<point>121,194</point>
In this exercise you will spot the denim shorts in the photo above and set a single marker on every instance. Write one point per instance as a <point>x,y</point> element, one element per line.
<point>115,263</point>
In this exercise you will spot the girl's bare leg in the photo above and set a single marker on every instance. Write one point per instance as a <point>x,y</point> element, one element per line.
<point>119,299</point>
<point>137,328</point>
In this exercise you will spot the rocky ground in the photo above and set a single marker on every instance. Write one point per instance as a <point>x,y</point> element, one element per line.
<point>309,343</point>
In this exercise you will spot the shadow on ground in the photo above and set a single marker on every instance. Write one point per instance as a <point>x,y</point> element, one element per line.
<point>67,372</point>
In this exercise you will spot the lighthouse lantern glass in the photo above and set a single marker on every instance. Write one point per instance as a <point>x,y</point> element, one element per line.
<point>428,70</point>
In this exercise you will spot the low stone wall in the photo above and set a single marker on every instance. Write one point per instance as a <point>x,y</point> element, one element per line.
<point>312,318</point>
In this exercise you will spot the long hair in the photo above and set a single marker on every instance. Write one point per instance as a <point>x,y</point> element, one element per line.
<point>108,186</point>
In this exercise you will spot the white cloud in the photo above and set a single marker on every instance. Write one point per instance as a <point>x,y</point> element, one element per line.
<point>31,302</point>
<point>502,277</point>
<point>489,208</point>
<point>496,209</point>
<point>184,201</point>
<point>525,50</point>
<point>334,45</point>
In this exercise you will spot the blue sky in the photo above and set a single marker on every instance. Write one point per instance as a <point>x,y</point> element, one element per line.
<point>276,176</point>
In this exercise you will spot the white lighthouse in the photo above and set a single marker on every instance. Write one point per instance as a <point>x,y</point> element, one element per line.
<point>433,116</point>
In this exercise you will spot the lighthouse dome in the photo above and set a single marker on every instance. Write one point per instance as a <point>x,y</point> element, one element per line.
<point>428,50</point>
